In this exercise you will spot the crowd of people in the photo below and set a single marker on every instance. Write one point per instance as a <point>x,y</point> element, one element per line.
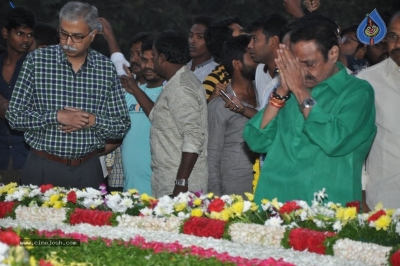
<point>305,104</point>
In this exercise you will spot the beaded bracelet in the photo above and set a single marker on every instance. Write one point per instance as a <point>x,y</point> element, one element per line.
<point>276,102</point>
<point>279,97</point>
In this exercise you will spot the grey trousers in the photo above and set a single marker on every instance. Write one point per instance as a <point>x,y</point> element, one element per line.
<point>39,171</point>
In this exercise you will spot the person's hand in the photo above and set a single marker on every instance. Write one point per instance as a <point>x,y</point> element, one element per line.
<point>179,189</point>
<point>292,74</point>
<point>293,7</point>
<point>107,29</point>
<point>234,105</point>
<point>312,5</point>
<point>217,90</point>
<point>127,81</point>
<point>74,119</point>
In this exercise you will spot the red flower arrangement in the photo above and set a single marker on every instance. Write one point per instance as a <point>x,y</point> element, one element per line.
<point>71,197</point>
<point>376,216</point>
<point>200,226</point>
<point>10,238</point>
<point>44,188</point>
<point>216,205</point>
<point>93,217</point>
<point>395,259</point>
<point>289,207</point>
<point>6,208</point>
<point>303,238</point>
<point>355,204</point>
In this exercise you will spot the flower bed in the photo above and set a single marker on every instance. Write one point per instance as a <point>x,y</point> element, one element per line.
<point>350,237</point>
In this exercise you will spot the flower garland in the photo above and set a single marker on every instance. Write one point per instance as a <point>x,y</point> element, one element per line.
<point>381,226</point>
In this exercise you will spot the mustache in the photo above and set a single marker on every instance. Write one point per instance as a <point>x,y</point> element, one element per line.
<point>69,48</point>
<point>135,64</point>
<point>148,69</point>
<point>310,77</point>
<point>396,50</point>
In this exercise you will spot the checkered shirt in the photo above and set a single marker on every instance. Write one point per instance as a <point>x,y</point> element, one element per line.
<point>47,83</point>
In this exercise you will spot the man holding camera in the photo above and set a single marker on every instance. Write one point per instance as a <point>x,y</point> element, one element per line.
<point>68,100</point>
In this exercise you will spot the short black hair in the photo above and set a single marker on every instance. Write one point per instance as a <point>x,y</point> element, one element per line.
<point>45,34</point>
<point>288,28</point>
<point>270,25</point>
<point>234,49</point>
<point>148,43</point>
<point>174,46</point>
<point>318,29</point>
<point>203,20</point>
<point>19,17</point>
<point>352,28</point>
<point>140,37</point>
<point>217,33</point>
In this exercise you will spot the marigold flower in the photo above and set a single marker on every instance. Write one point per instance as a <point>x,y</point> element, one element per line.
<point>144,197</point>
<point>249,196</point>
<point>237,208</point>
<point>340,213</point>
<point>54,198</point>
<point>197,202</point>
<point>225,215</point>
<point>383,222</point>
<point>350,213</point>
<point>180,206</point>
<point>210,195</point>
<point>133,191</point>
<point>58,205</point>
<point>197,212</point>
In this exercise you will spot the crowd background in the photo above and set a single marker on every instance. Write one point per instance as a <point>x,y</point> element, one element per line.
<point>129,17</point>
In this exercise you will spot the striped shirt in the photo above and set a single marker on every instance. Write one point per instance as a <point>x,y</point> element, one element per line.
<point>218,75</point>
<point>47,83</point>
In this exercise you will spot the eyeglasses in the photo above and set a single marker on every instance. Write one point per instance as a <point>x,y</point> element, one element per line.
<point>74,38</point>
<point>346,38</point>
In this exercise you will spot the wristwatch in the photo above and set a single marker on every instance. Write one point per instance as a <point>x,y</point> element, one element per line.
<point>307,103</point>
<point>182,182</point>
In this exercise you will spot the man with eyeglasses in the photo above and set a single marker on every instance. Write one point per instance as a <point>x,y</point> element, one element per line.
<point>352,50</point>
<point>68,99</point>
<point>383,182</point>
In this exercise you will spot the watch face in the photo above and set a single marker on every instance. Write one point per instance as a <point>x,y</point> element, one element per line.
<point>309,102</point>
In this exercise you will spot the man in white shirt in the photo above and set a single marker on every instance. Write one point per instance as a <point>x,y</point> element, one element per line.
<point>264,32</point>
<point>383,183</point>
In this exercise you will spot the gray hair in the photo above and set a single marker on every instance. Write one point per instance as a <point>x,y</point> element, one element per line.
<point>74,11</point>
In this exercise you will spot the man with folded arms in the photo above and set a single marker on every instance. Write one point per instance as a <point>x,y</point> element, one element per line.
<point>68,100</point>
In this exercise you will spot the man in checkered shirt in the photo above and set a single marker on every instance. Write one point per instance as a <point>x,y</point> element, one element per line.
<point>68,100</point>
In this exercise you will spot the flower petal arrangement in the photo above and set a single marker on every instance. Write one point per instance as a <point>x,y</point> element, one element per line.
<point>320,228</point>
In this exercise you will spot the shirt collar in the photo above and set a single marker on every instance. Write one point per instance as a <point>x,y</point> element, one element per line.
<point>391,66</point>
<point>335,82</point>
<point>91,57</point>
<point>202,64</point>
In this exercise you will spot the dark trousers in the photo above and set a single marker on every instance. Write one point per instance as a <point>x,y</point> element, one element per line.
<point>39,171</point>
<point>10,175</point>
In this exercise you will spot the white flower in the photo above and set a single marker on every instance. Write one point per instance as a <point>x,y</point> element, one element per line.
<point>398,228</point>
<point>337,226</point>
<point>93,192</point>
<point>303,204</point>
<point>146,211</point>
<point>320,195</point>
<point>274,222</point>
<point>127,202</point>
<point>227,199</point>
<point>246,205</point>
<point>318,223</point>
<point>34,192</point>
<point>183,215</point>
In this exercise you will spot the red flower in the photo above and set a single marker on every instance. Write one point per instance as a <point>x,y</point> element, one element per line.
<point>289,207</point>
<point>42,262</point>
<point>44,188</point>
<point>200,226</point>
<point>355,203</point>
<point>303,238</point>
<point>376,216</point>
<point>93,217</point>
<point>6,208</point>
<point>71,196</point>
<point>153,203</point>
<point>395,259</point>
<point>9,237</point>
<point>216,205</point>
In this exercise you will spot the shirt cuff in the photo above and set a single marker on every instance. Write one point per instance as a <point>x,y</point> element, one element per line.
<point>191,148</point>
<point>119,61</point>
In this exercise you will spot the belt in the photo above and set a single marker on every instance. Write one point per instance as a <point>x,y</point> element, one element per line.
<point>68,162</point>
